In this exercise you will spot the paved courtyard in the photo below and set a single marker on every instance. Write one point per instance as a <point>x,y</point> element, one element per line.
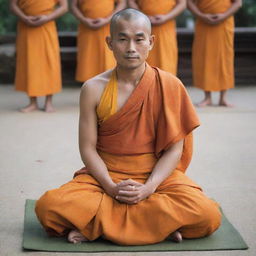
<point>39,151</point>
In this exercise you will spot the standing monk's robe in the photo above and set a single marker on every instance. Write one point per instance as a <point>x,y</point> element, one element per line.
<point>164,53</point>
<point>130,141</point>
<point>93,55</point>
<point>38,71</point>
<point>213,51</point>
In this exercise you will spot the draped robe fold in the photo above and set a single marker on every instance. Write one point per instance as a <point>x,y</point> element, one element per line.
<point>38,71</point>
<point>93,55</point>
<point>164,54</point>
<point>130,142</point>
<point>213,49</point>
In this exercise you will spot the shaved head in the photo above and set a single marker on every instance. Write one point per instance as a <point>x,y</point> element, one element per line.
<point>129,14</point>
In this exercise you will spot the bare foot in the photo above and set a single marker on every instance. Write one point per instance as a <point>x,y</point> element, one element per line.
<point>29,108</point>
<point>49,109</point>
<point>225,104</point>
<point>204,103</point>
<point>75,237</point>
<point>176,237</point>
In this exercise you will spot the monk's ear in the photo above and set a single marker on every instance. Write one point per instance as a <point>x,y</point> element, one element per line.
<point>109,42</point>
<point>151,41</point>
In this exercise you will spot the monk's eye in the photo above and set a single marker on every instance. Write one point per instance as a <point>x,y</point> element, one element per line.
<point>121,39</point>
<point>140,39</point>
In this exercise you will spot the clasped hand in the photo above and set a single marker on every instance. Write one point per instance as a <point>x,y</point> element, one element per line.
<point>132,192</point>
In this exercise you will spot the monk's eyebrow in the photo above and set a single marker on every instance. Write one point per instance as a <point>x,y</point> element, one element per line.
<point>140,34</point>
<point>122,34</point>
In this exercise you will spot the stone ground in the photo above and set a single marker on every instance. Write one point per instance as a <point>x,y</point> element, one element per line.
<point>39,151</point>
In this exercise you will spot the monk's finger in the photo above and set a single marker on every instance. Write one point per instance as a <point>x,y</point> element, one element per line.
<point>128,200</point>
<point>127,193</point>
<point>129,182</point>
<point>127,187</point>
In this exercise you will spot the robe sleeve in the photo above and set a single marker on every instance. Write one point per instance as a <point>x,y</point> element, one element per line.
<point>177,117</point>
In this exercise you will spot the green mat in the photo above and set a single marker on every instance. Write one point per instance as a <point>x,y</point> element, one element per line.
<point>35,238</point>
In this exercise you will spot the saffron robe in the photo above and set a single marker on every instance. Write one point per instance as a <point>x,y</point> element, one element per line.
<point>165,52</point>
<point>93,55</point>
<point>213,49</point>
<point>130,141</point>
<point>38,71</point>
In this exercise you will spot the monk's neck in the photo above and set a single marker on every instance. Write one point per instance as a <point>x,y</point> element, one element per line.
<point>130,76</point>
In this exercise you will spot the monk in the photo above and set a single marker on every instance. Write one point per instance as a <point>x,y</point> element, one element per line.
<point>38,71</point>
<point>213,48</point>
<point>135,139</point>
<point>93,55</point>
<point>162,14</point>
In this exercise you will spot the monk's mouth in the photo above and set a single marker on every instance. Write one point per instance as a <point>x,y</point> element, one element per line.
<point>132,58</point>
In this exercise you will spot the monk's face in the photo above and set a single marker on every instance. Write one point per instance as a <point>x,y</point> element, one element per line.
<point>130,42</point>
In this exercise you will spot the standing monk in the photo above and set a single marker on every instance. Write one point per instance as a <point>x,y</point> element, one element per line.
<point>135,136</point>
<point>38,70</point>
<point>213,47</point>
<point>93,55</point>
<point>162,14</point>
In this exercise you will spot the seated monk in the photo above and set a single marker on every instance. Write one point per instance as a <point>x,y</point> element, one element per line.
<point>135,138</point>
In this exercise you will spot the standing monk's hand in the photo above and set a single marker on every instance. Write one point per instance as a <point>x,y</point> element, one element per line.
<point>132,192</point>
<point>40,20</point>
<point>30,20</point>
<point>209,18</point>
<point>95,23</point>
<point>219,17</point>
<point>158,19</point>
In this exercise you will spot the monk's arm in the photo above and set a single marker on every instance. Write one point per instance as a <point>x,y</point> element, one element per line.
<point>133,4</point>
<point>17,11</point>
<point>132,192</point>
<point>120,5</point>
<point>59,11</point>
<point>205,17</point>
<point>177,10</point>
<point>76,11</point>
<point>88,140</point>
<point>236,4</point>
<point>165,165</point>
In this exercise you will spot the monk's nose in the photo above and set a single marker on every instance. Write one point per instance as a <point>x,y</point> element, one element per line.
<point>131,47</point>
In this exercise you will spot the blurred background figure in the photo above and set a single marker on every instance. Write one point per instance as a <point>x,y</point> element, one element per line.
<point>38,71</point>
<point>93,55</point>
<point>213,47</point>
<point>162,14</point>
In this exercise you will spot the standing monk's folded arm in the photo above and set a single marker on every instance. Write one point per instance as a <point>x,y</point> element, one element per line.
<point>17,11</point>
<point>177,10</point>
<point>133,4</point>
<point>88,139</point>
<point>59,11</point>
<point>236,4</point>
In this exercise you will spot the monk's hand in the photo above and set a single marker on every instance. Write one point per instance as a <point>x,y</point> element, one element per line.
<point>158,19</point>
<point>219,17</point>
<point>30,20</point>
<point>209,18</point>
<point>95,23</point>
<point>40,20</point>
<point>132,192</point>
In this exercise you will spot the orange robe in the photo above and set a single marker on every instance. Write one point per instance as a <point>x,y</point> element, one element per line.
<point>164,53</point>
<point>213,49</point>
<point>130,142</point>
<point>38,71</point>
<point>93,55</point>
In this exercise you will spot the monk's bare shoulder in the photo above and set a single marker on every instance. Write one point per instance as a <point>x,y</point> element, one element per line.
<point>96,85</point>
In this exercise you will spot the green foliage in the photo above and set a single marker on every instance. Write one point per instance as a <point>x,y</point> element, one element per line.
<point>246,16</point>
<point>67,23</point>
<point>7,20</point>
